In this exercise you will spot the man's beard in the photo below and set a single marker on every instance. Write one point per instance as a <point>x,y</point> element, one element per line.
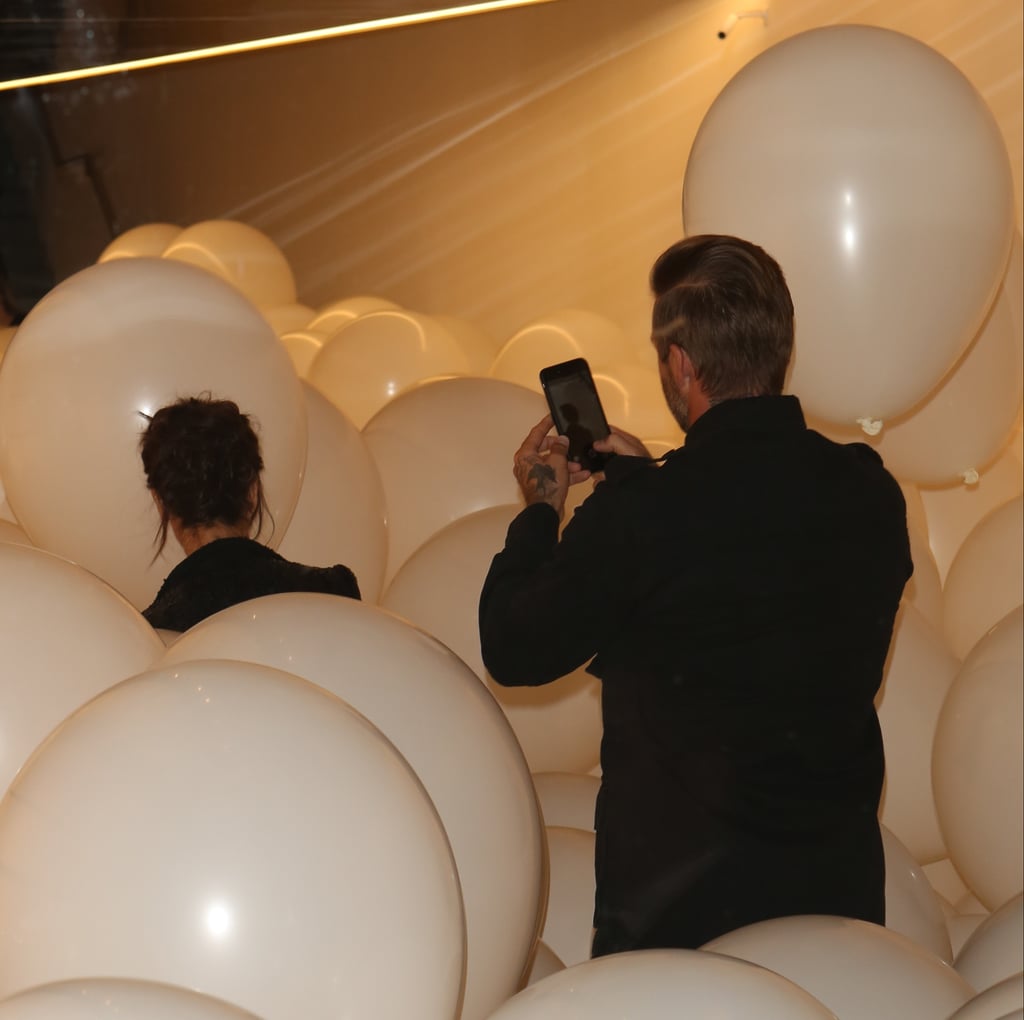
<point>678,402</point>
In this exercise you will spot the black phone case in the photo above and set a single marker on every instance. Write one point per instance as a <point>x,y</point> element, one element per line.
<point>569,384</point>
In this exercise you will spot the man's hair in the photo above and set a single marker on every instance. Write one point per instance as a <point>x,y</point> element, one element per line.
<point>202,459</point>
<point>725,302</point>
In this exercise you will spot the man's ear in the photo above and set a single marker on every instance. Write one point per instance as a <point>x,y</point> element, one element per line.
<point>680,367</point>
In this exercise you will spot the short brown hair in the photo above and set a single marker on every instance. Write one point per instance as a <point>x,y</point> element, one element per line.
<point>725,302</point>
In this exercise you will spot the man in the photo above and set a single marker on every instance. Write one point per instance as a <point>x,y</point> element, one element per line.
<point>738,602</point>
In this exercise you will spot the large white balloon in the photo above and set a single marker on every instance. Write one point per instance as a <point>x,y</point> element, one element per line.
<point>66,636</point>
<point>444,450</point>
<point>340,515</point>
<point>108,345</point>
<point>239,831</point>
<point>860,158</point>
<point>242,255</point>
<point>110,998</point>
<point>912,907</point>
<point>365,364</point>
<point>147,241</point>
<point>860,971</point>
<point>559,724</point>
<point>439,716</point>
<point>995,951</point>
<point>977,765</point>
<point>655,984</point>
<point>918,675</point>
<point>1003,1001</point>
<point>984,580</point>
<point>567,799</point>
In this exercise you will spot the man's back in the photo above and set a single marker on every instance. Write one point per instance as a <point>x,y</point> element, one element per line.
<point>740,600</point>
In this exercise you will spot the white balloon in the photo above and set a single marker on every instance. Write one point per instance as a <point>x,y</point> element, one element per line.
<point>984,580</point>
<point>110,344</point>
<point>445,724</point>
<point>66,636</point>
<point>860,971</point>
<point>568,927</point>
<point>474,341</point>
<point>302,345</point>
<point>148,240</point>
<point>333,316</point>
<point>912,907</point>
<point>104,998</point>
<point>364,365</point>
<point>339,516</point>
<point>558,725</point>
<point>285,318</point>
<point>567,799</point>
<point>242,255</point>
<point>655,984</point>
<point>560,336</point>
<point>918,674</point>
<point>444,450</point>
<point>236,830</point>
<point>1003,1001</point>
<point>995,950</point>
<point>860,185</point>
<point>977,758</point>
<point>954,511</point>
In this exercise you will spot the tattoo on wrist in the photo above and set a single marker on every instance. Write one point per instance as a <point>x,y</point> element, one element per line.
<point>543,478</point>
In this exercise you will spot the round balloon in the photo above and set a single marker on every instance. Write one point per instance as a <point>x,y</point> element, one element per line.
<point>340,515</point>
<point>918,675</point>
<point>235,830</point>
<point>240,254</point>
<point>653,984</point>
<point>954,511</point>
<point>66,637</point>
<point>438,715</point>
<point>363,366</point>
<point>302,345</point>
<point>568,927</point>
<point>147,241</point>
<point>474,341</point>
<point>976,765</point>
<point>103,998</point>
<point>984,580</point>
<point>994,951</point>
<point>912,907</point>
<point>561,336</point>
<point>444,450</point>
<point>558,725</point>
<point>860,185</point>
<point>105,348</point>
<point>860,971</point>
<point>333,316</point>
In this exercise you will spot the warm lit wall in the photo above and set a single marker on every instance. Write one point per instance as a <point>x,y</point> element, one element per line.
<point>494,168</point>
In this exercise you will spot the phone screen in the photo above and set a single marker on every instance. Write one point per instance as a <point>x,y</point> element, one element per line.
<point>576,409</point>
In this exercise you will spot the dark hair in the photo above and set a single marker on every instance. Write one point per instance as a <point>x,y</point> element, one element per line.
<point>202,459</point>
<point>725,302</point>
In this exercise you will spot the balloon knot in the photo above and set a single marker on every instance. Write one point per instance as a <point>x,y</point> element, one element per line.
<point>970,477</point>
<point>871,426</point>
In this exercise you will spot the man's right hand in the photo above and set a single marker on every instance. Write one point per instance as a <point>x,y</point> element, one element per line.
<point>622,442</point>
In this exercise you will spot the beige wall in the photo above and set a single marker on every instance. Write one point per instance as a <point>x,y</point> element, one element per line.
<point>494,168</point>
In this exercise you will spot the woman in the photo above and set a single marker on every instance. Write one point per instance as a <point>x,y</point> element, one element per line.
<point>203,466</point>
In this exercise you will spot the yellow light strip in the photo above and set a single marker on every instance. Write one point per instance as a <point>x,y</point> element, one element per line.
<point>271,42</point>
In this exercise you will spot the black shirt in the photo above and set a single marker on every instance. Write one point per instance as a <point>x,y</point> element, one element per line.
<point>738,603</point>
<point>232,570</point>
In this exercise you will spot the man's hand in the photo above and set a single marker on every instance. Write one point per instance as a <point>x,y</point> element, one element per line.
<point>622,442</point>
<point>542,469</point>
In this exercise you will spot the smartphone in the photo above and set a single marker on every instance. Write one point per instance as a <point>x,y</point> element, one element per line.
<point>576,408</point>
